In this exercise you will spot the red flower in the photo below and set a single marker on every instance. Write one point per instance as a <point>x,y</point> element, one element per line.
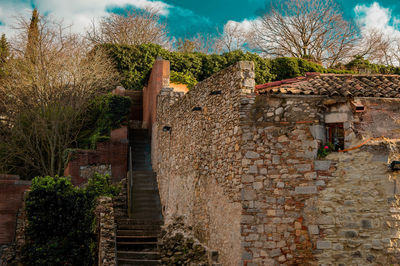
<point>326,147</point>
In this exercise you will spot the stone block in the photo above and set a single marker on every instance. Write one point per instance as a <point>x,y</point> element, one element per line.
<point>280,185</point>
<point>249,194</point>
<point>263,171</point>
<point>324,244</point>
<point>247,255</point>
<point>366,224</point>
<point>303,167</point>
<point>377,244</point>
<point>279,111</point>
<point>318,132</point>
<point>252,155</point>
<point>322,165</point>
<point>257,185</point>
<point>253,169</point>
<point>326,220</point>
<point>336,118</point>
<point>275,252</point>
<point>283,138</point>
<point>313,229</point>
<point>247,178</point>
<point>276,159</point>
<point>306,190</point>
<point>310,176</point>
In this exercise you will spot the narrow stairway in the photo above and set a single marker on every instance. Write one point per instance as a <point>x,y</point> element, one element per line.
<point>137,236</point>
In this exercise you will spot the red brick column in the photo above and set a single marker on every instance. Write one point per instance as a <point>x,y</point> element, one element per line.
<point>11,196</point>
<point>159,78</point>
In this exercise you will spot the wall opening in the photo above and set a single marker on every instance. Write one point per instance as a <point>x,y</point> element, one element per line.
<point>335,135</point>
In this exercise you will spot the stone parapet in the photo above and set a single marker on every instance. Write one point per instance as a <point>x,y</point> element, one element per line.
<point>106,230</point>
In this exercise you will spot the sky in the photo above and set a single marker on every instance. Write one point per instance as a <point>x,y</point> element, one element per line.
<point>185,18</point>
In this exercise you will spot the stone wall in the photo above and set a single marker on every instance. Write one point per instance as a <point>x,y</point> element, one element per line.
<point>197,141</point>
<point>279,177</point>
<point>304,210</point>
<point>242,169</point>
<point>106,232</point>
<point>110,157</point>
<point>355,218</point>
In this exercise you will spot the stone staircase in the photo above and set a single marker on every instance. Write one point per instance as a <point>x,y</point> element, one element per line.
<point>137,235</point>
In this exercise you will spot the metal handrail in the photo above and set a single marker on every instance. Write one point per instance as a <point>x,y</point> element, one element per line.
<point>130,184</point>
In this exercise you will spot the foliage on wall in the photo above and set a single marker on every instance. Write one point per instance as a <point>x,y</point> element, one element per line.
<point>105,112</point>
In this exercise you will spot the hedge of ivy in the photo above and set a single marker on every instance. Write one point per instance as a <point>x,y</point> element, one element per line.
<point>61,221</point>
<point>104,113</point>
<point>134,63</point>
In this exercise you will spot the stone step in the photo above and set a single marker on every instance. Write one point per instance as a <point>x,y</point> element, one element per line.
<point>138,232</point>
<point>141,173</point>
<point>126,262</point>
<point>137,238</point>
<point>136,246</point>
<point>138,227</point>
<point>139,221</point>
<point>148,255</point>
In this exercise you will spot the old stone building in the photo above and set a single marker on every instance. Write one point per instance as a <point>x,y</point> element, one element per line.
<point>240,164</point>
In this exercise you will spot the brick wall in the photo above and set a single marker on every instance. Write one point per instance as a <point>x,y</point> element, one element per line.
<point>112,153</point>
<point>11,195</point>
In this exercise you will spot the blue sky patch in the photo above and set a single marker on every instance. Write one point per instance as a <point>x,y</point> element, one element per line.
<point>185,18</point>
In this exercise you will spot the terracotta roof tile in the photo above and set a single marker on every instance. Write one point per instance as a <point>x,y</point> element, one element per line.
<point>336,85</point>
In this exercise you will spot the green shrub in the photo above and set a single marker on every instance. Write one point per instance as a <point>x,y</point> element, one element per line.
<point>104,113</point>
<point>288,67</point>
<point>61,221</point>
<point>359,64</point>
<point>183,78</point>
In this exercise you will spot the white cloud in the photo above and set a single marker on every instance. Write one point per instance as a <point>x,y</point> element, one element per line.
<point>78,13</point>
<point>375,17</point>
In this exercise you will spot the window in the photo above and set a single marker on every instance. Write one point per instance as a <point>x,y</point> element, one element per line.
<point>335,135</point>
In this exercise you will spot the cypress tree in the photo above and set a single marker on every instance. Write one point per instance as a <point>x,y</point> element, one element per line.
<point>4,49</point>
<point>4,54</point>
<point>33,37</point>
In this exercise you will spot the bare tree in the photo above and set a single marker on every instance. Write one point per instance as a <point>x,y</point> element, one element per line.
<point>311,29</point>
<point>396,51</point>
<point>378,47</point>
<point>44,95</point>
<point>202,43</point>
<point>232,38</point>
<point>137,27</point>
